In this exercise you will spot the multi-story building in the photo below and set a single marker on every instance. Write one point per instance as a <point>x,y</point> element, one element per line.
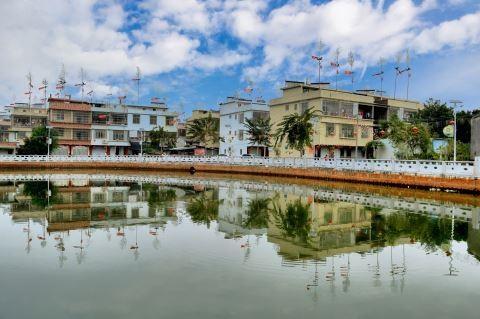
<point>344,121</point>
<point>234,137</point>
<point>475,137</point>
<point>72,123</point>
<point>6,145</point>
<point>105,129</point>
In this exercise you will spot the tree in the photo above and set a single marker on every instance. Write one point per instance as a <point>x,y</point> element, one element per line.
<point>259,132</point>
<point>436,115</point>
<point>412,141</point>
<point>463,151</point>
<point>372,147</point>
<point>297,130</point>
<point>159,139</point>
<point>204,131</point>
<point>36,144</point>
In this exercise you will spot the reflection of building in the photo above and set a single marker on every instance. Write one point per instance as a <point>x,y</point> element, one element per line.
<point>233,114</point>
<point>473,239</point>
<point>233,211</point>
<point>345,119</point>
<point>333,228</point>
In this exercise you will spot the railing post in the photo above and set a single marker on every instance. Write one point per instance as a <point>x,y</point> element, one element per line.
<point>476,169</point>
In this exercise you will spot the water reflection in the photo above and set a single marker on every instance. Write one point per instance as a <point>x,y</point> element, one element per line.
<point>324,231</point>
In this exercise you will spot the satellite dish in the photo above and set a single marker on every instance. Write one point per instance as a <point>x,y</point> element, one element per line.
<point>448,131</point>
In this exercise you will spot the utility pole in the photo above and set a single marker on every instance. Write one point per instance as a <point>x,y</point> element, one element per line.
<point>137,79</point>
<point>455,103</point>
<point>336,65</point>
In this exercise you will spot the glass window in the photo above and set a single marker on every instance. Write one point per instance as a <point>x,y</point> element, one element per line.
<point>304,107</point>
<point>118,135</point>
<point>60,132</point>
<point>346,109</point>
<point>59,115</point>
<point>330,129</point>
<point>241,118</point>
<point>330,107</point>
<point>100,134</point>
<point>347,131</point>
<point>81,117</point>
<point>119,119</point>
<point>153,120</point>
<point>136,119</point>
<point>81,135</point>
<point>287,107</point>
<point>170,120</point>
<point>240,135</point>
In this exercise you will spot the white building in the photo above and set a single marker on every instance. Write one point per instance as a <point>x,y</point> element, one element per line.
<point>234,138</point>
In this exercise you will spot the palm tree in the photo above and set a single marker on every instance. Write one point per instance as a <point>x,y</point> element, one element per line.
<point>259,131</point>
<point>297,129</point>
<point>160,138</point>
<point>205,130</point>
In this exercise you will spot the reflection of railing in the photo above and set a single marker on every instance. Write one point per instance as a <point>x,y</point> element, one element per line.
<point>413,167</point>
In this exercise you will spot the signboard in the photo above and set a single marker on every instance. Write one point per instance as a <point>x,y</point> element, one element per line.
<point>448,131</point>
<point>199,152</point>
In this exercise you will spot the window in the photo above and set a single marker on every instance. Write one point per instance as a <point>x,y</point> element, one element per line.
<point>21,135</point>
<point>100,134</point>
<point>59,132</point>
<point>170,120</point>
<point>235,116</point>
<point>153,120</point>
<point>365,131</point>
<point>240,135</point>
<point>118,135</point>
<point>295,107</point>
<point>330,129</point>
<point>98,197</point>
<point>81,117</point>
<point>81,135</point>
<point>346,109</point>
<point>330,107</point>
<point>119,119</point>
<point>287,107</point>
<point>136,119</point>
<point>59,115</point>
<point>241,118</point>
<point>347,131</point>
<point>304,107</point>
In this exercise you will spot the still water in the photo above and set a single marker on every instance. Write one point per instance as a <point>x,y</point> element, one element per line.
<point>126,246</point>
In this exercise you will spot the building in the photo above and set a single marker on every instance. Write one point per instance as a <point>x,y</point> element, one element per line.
<point>346,120</point>
<point>475,139</point>
<point>6,145</point>
<point>234,138</point>
<point>105,129</point>
<point>192,147</point>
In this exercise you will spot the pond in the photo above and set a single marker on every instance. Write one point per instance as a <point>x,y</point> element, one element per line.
<point>118,245</point>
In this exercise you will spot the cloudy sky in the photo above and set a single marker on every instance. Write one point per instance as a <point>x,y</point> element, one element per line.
<point>193,53</point>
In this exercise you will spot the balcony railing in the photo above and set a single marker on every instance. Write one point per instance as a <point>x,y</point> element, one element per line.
<point>412,167</point>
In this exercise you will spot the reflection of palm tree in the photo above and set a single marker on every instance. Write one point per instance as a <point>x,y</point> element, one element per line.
<point>294,220</point>
<point>42,193</point>
<point>257,213</point>
<point>203,209</point>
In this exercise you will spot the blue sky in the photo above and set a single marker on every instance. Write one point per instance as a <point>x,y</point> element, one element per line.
<point>194,53</point>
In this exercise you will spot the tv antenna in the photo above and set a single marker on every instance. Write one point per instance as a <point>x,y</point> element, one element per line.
<point>380,74</point>
<point>61,81</point>
<point>335,64</point>
<point>319,59</point>
<point>137,79</point>
<point>29,89</point>
<point>351,61</point>
<point>398,72</point>
<point>82,83</point>
<point>409,70</point>
<point>121,99</point>
<point>44,89</point>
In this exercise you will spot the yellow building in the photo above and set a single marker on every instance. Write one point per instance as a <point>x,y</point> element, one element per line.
<point>198,114</point>
<point>345,120</point>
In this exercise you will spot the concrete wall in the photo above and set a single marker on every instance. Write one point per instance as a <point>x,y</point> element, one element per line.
<point>475,137</point>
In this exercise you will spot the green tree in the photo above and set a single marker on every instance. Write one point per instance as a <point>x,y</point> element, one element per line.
<point>38,192</point>
<point>297,130</point>
<point>259,132</point>
<point>161,139</point>
<point>257,213</point>
<point>412,141</point>
<point>36,144</point>
<point>436,115</point>
<point>204,131</point>
<point>463,151</point>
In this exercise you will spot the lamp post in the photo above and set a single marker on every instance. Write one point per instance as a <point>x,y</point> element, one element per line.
<point>141,142</point>
<point>455,103</point>
<point>49,141</point>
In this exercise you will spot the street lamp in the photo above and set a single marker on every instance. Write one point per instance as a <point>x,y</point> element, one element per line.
<point>455,103</point>
<point>141,142</point>
<point>49,141</point>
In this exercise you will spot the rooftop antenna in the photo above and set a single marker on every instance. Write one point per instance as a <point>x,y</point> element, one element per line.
<point>335,64</point>
<point>61,81</point>
<point>380,74</point>
<point>351,61</point>
<point>397,72</point>
<point>121,99</point>
<point>44,89</point>
<point>409,70</point>
<point>90,94</point>
<point>137,79</point>
<point>82,83</point>
<point>319,59</point>
<point>29,88</point>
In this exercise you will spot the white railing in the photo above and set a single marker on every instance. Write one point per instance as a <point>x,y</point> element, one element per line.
<point>412,167</point>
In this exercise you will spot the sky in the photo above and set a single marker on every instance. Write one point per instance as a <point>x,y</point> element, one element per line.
<point>195,53</point>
